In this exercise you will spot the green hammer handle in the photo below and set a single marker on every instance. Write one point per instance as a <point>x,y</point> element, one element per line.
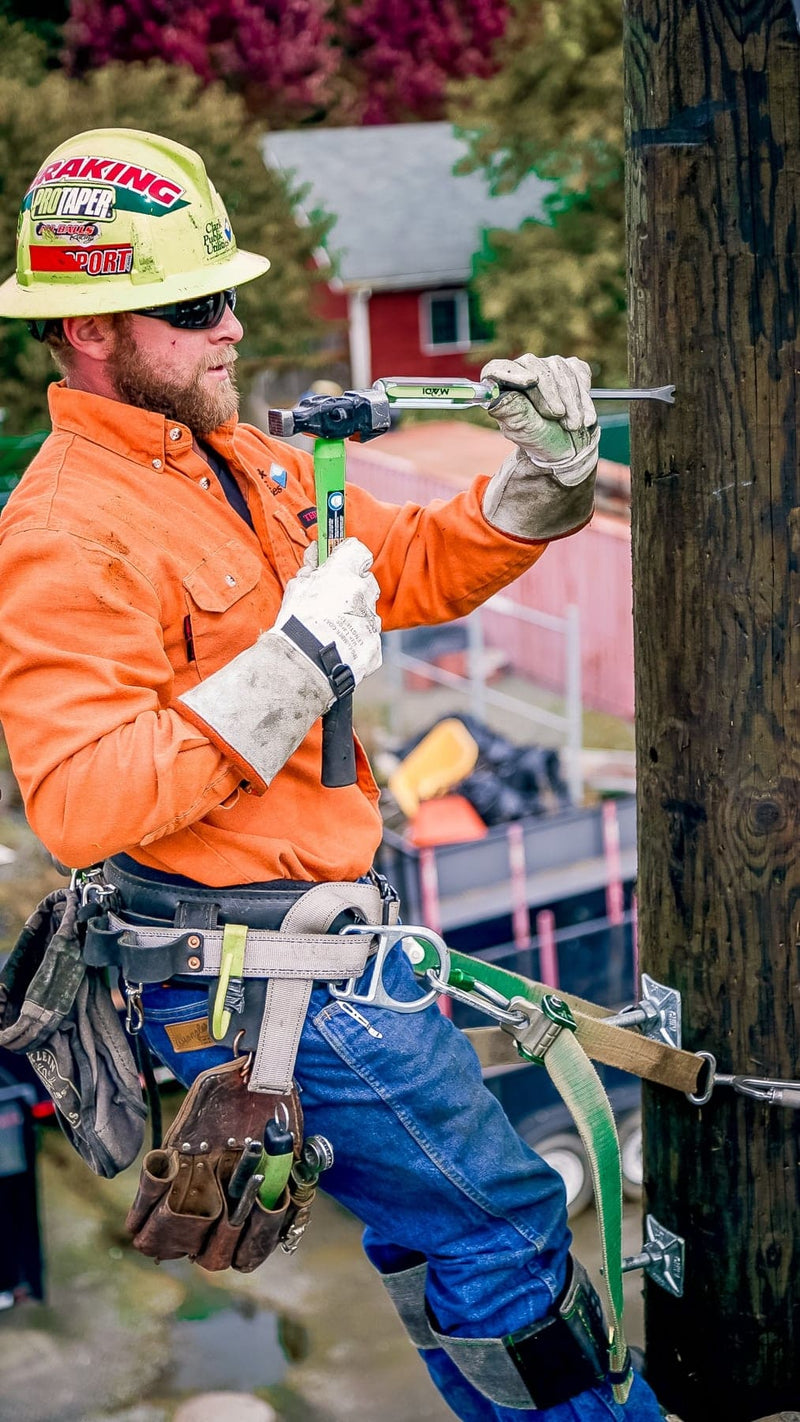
<point>338,750</point>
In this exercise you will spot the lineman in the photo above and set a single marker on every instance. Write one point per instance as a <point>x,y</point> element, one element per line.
<point>162,712</point>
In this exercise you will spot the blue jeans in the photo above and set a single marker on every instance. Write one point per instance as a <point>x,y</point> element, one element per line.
<point>425,1157</point>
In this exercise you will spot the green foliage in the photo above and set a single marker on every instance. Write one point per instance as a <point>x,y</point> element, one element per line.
<point>40,109</point>
<point>555,108</point>
<point>44,19</point>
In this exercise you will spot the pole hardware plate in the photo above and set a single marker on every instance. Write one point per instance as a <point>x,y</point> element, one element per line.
<point>658,1015</point>
<point>662,1257</point>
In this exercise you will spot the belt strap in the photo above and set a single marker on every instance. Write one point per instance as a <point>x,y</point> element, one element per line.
<point>292,958</point>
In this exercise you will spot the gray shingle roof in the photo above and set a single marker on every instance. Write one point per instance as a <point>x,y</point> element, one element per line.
<point>403,219</point>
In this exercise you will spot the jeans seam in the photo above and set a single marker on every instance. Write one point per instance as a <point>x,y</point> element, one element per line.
<point>455,1179</point>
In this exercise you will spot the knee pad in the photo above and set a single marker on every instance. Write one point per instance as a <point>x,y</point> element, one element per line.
<point>554,1359</point>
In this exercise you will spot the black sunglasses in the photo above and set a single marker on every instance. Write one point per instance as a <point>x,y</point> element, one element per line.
<point>202,314</point>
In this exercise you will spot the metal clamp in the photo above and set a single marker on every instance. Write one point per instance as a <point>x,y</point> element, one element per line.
<point>662,1257</point>
<point>91,885</point>
<point>376,995</point>
<point>542,1024</point>
<point>771,1090</point>
<point>658,1015</point>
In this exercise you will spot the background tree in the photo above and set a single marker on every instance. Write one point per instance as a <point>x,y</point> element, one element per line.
<point>297,61</point>
<point>39,109</point>
<point>43,18</point>
<point>399,55</point>
<point>554,107</point>
<point>276,53</point>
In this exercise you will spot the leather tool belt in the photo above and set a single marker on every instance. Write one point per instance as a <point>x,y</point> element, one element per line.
<point>260,948</point>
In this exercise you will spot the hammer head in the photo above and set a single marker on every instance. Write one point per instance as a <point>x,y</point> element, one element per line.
<point>362,412</point>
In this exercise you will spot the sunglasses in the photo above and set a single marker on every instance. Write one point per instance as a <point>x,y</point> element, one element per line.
<point>202,314</point>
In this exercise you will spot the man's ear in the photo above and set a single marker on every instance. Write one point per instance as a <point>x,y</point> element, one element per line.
<point>91,336</point>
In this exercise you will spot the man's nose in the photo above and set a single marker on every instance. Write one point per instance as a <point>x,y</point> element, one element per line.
<point>230,329</point>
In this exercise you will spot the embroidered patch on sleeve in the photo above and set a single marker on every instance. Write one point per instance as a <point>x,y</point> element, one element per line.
<point>308,516</point>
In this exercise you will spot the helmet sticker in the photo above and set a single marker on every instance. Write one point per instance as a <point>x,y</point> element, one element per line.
<point>217,238</point>
<point>72,187</point>
<point>84,232</point>
<point>93,261</point>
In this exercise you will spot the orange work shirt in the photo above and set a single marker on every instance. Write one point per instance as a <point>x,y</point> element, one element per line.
<point>127,577</point>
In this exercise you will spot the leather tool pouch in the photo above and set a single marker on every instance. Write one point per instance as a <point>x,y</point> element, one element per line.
<point>182,1207</point>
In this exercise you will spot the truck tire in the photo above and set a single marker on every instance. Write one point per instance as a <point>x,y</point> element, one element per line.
<point>629,1130</point>
<point>564,1151</point>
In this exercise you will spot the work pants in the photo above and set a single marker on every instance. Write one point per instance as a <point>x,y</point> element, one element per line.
<point>426,1158</point>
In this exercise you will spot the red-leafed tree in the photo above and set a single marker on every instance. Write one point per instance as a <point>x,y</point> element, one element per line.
<point>277,53</point>
<point>400,54</point>
<point>341,61</point>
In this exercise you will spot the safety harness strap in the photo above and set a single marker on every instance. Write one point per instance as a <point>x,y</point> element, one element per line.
<point>613,1046</point>
<point>582,1092</point>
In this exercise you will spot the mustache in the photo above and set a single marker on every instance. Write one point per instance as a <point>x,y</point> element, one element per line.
<point>227,358</point>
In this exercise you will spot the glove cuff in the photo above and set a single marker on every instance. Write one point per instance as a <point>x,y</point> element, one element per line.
<point>260,706</point>
<point>528,502</point>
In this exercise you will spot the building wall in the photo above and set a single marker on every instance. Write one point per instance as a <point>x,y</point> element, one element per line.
<point>394,321</point>
<point>591,570</point>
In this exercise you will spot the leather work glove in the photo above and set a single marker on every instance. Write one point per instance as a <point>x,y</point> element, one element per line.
<point>546,487</point>
<point>261,705</point>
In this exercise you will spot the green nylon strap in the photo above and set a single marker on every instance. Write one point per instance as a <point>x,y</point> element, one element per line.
<point>580,1087</point>
<point>582,1092</point>
<point>234,938</point>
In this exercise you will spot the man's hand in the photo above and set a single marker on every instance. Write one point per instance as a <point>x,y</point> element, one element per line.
<point>544,407</point>
<point>260,706</point>
<point>336,603</point>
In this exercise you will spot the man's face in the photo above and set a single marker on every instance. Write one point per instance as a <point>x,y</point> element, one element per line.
<point>187,376</point>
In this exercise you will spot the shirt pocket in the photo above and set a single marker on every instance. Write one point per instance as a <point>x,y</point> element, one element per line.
<point>222,606</point>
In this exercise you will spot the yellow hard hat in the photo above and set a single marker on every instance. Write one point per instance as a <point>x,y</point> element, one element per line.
<point>118,220</point>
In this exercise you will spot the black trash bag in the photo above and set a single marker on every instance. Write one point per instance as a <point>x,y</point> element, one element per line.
<point>535,771</point>
<point>59,1013</point>
<point>495,802</point>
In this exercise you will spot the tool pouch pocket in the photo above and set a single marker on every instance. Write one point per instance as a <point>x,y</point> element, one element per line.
<point>182,1207</point>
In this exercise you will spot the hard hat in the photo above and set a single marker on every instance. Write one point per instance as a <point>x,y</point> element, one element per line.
<point>117,220</point>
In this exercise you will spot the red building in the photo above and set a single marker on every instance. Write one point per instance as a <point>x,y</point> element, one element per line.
<point>400,252</point>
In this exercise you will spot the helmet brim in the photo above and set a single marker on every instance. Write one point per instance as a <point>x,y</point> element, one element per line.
<point>65,298</point>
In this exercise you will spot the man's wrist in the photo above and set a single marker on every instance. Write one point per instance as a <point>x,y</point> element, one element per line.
<point>572,470</point>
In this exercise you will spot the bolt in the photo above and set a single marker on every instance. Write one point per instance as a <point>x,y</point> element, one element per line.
<point>194,940</point>
<point>193,962</point>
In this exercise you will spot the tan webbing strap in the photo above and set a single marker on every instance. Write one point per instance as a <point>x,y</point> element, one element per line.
<point>287,1002</point>
<point>621,1047</point>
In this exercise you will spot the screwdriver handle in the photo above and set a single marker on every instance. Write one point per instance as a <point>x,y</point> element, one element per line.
<point>275,1163</point>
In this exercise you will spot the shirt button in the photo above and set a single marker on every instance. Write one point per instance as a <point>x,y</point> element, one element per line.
<point>158,464</point>
<point>205,483</point>
<point>175,434</point>
<point>230,580</point>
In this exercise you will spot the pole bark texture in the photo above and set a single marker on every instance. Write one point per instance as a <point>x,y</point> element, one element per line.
<point>713,175</point>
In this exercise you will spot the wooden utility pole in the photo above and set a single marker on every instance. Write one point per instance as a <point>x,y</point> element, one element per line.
<point>713,117</point>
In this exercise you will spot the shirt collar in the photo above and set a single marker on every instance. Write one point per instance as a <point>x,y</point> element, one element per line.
<point>124,429</point>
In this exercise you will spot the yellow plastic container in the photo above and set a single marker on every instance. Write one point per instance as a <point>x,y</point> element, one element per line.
<point>433,767</point>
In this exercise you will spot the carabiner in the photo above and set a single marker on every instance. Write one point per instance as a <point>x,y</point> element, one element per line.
<point>376,995</point>
<point>134,1012</point>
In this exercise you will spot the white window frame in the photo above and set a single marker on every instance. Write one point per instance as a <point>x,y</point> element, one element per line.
<point>463,342</point>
